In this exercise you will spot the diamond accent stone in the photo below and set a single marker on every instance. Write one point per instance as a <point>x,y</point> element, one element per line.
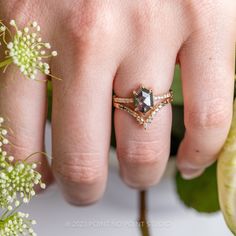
<point>143,100</point>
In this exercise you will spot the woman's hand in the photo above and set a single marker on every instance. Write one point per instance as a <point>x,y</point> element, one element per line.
<point>119,44</point>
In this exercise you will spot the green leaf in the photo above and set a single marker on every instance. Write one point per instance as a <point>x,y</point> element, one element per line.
<point>177,87</point>
<point>178,128</point>
<point>199,193</point>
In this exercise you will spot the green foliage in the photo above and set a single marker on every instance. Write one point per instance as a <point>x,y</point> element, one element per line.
<point>178,128</point>
<point>199,193</point>
<point>177,88</point>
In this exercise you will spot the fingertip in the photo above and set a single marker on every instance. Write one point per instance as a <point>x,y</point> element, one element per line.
<point>83,195</point>
<point>189,174</point>
<point>141,182</point>
<point>81,188</point>
<point>81,202</point>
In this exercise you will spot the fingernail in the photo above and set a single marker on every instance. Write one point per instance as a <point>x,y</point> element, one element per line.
<point>191,174</point>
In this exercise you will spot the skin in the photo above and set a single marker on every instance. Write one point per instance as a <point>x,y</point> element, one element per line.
<point>119,44</point>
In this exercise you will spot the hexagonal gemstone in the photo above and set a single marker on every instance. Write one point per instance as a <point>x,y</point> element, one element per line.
<point>143,100</point>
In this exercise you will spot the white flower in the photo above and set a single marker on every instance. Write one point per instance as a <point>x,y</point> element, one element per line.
<point>17,224</point>
<point>54,53</point>
<point>33,222</point>
<point>5,141</point>
<point>25,200</point>
<point>4,153</point>
<point>34,166</point>
<point>2,28</point>
<point>12,22</point>
<point>43,185</point>
<point>9,168</point>
<point>28,51</point>
<point>11,158</point>
<point>17,182</point>
<point>4,132</point>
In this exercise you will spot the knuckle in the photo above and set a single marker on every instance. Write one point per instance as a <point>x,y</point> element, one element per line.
<point>80,169</point>
<point>143,18</point>
<point>211,6</point>
<point>90,24</point>
<point>20,10</point>
<point>212,11</point>
<point>142,154</point>
<point>218,15</point>
<point>208,115</point>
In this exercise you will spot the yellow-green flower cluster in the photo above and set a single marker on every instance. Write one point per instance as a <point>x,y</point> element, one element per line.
<point>26,49</point>
<point>17,224</point>
<point>17,182</point>
<point>20,177</point>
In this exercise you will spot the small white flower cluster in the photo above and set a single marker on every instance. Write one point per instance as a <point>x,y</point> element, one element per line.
<point>18,179</point>
<point>21,178</point>
<point>3,133</point>
<point>27,51</point>
<point>17,182</point>
<point>17,224</point>
<point>3,30</point>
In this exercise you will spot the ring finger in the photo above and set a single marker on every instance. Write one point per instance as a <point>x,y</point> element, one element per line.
<point>143,153</point>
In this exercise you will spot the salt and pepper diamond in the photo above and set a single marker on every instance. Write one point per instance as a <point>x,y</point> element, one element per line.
<point>143,99</point>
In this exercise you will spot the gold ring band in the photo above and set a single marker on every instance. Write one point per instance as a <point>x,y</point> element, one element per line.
<point>131,100</point>
<point>142,105</point>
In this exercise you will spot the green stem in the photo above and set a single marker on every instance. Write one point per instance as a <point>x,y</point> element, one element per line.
<point>143,224</point>
<point>4,214</point>
<point>15,209</point>
<point>8,213</point>
<point>35,153</point>
<point>6,62</point>
<point>1,224</point>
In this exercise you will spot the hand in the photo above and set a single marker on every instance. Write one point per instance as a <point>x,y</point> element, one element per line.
<point>106,45</point>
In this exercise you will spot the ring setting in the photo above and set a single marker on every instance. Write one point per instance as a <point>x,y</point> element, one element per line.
<point>144,105</point>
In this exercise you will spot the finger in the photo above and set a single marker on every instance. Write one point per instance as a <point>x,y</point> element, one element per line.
<point>82,115</point>
<point>23,104</point>
<point>207,66</point>
<point>143,154</point>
